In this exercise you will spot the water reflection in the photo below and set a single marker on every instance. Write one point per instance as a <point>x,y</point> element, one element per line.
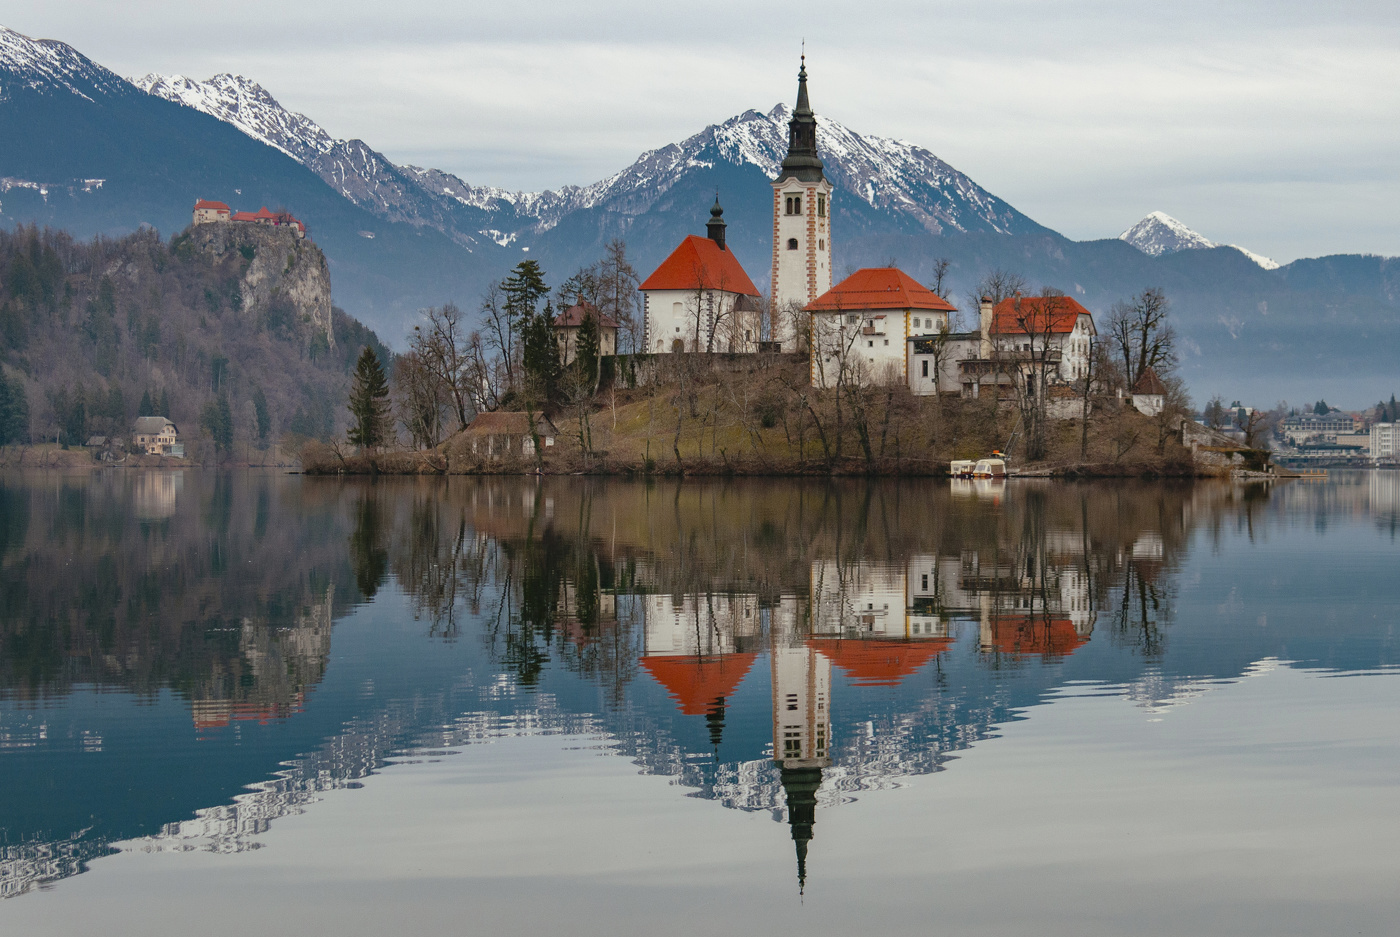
<point>166,640</point>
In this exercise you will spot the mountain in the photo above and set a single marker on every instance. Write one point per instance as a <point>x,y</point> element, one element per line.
<point>89,152</point>
<point>1160,233</point>
<point>94,153</point>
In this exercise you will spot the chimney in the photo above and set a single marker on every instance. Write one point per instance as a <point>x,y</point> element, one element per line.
<point>985,314</point>
<point>715,227</point>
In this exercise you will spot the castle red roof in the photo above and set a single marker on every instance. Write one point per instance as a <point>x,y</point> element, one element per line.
<point>879,288</point>
<point>572,317</point>
<point>243,216</point>
<point>1028,634</point>
<point>700,263</point>
<point>206,204</point>
<point>878,662</point>
<point>1149,383</point>
<point>695,681</point>
<point>1029,315</point>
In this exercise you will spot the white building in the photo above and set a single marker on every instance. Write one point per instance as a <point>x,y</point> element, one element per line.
<point>861,329</point>
<point>1385,440</point>
<point>700,298</point>
<point>801,223</point>
<point>1149,393</point>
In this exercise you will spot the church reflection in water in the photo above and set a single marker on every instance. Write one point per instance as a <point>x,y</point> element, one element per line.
<point>772,646</point>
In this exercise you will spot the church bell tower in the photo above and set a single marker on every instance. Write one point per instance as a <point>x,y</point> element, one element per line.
<point>801,222</point>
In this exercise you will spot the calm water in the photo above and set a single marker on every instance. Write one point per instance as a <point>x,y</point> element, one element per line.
<point>244,703</point>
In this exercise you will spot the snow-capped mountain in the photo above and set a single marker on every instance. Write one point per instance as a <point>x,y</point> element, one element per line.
<point>44,65</point>
<point>351,167</point>
<point>1160,233</point>
<point>889,176</point>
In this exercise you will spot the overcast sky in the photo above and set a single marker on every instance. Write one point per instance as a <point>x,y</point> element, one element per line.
<point>1275,125</point>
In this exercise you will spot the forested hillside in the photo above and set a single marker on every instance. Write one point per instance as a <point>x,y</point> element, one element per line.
<point>227,329</point>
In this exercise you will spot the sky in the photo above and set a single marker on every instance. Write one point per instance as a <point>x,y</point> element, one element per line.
<point>1275,126</point>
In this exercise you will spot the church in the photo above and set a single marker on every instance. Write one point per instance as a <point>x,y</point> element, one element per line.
<point>877,326</point>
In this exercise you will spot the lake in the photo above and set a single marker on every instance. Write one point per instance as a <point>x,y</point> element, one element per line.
<point>240,703</point>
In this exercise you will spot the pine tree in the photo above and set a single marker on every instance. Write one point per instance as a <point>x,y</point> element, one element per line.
<point>146,407</point>
<point>540,356</point>
<point>586,352</point>
<point>14,411</point>
<point>217,418</point>
<point>263,417</point>
<point>369,402</point>
<point>164,405</point>
<point>523,289</point>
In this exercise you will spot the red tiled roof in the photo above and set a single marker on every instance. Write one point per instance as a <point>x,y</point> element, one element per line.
<point>695,682</point>
<point>1149,383</point>
<point>700,263</point>
<point>1026,315</point>
<point>572,317</point>
<point>243,216</point>
<point>1026,634</point>
<point>878,662</point>
<point>205,203</point>
<point>879,288</point>
<point>264,213</point>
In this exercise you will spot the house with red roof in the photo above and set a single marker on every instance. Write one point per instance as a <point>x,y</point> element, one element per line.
<point>1023,334</point>
<point>700,298</point>
<point>207,212</point>
<point>566,327</point>
<point>861,328</point>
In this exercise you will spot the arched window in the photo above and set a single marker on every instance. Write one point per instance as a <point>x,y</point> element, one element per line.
<point>821,206</point>
<point>797,204</point>
<point>792,244</point>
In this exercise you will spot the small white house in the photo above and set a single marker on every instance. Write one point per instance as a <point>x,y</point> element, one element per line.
<point>1149,393</point>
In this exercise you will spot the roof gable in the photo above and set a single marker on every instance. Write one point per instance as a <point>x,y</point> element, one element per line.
<point>879,288</point>
<point>205,203</point>
<point>1030,315</point>
<point>1149,383</point>
<point>509,423</point>
<point>700,263</point>
<point>695,682</point>
<point>572,317</point>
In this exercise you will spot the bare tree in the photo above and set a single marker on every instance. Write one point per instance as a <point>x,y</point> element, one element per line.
<point>617,293</point>
<point>420,399</point>
<point>940,273</point>
<point>1028,354</point>
<point>997,285</point>
<point>500,329</point>
<point>442,346</point>
<point>1141,336</point>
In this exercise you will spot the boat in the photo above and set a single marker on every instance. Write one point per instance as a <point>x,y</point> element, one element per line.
<point>989,468</point>
<point>962,468</point>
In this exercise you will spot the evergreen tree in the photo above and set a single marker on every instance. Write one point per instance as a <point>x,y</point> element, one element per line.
<point>1394,413</point>
<point>217,418</point>
<point>369,402</point>
<point>74,419</point>
<point>1320,408</point>
<point>586,352</point>
<point>260,411</point>
<point>540,356</point>
<point>523,289</point>
<point>146,407</point>
<point>14,411</point>
<point>164,405</point>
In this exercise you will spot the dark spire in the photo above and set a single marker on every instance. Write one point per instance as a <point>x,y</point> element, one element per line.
<point>714,229</point>
<point>801,785</point>
<point>714,718</point>
<point>802,161</point>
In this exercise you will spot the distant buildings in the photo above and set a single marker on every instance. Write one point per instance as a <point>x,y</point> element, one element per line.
<point>567,324</point>
<point>207,212</point>
<point>504,434</point>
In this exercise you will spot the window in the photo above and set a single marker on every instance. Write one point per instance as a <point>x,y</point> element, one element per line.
<point>792,244</point>
<point>821,206</point>
<point>821,243</point>
<point>887,343</point>
<point>925,375</point>
<point>851,320</point>
<point>924,578</point>
<point>793,205</point>
<point>871,343</point>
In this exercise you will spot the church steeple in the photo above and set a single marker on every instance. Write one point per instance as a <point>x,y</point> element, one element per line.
<point>801,785</point>
<point>714,228</point>
<point>802,161</point>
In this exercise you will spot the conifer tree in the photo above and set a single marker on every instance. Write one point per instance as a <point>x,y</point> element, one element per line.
<point>146,407</point>
<point>164,405</point>
<point>540,356</point>
<point>217,418</point>
<point>586,352</point>
<point>369,402</point>
<point>14,411</point>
